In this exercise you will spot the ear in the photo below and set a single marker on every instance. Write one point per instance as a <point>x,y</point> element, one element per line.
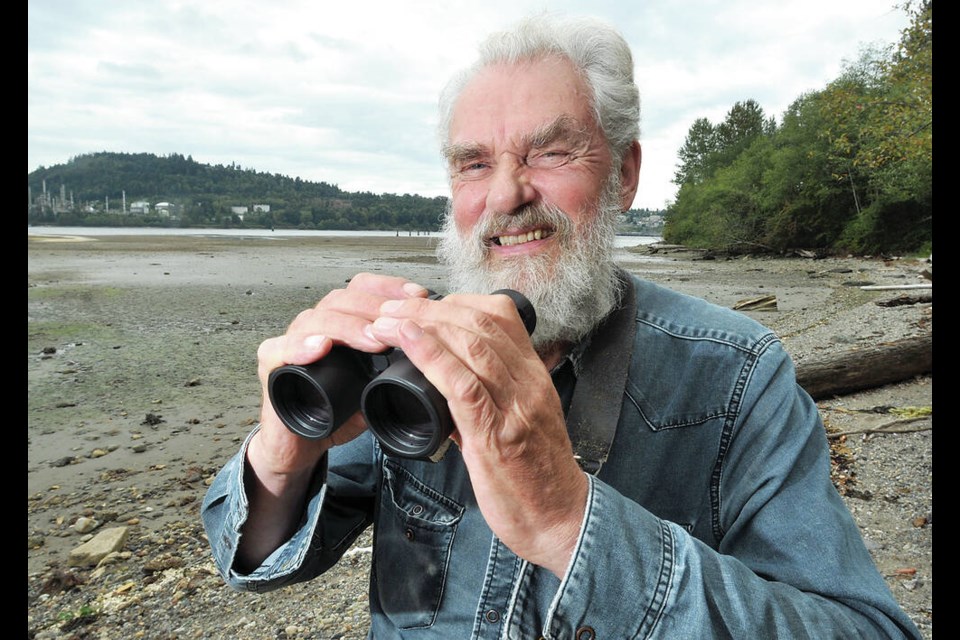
<point>629,175</point>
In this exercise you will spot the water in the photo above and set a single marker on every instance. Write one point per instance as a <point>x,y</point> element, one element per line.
<point>621,241</point>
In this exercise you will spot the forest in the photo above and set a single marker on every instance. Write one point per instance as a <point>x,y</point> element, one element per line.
<point>125,189</point>
<point>848,168</point>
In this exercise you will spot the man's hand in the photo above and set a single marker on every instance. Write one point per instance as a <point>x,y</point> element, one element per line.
<point>510,424</point>
<point>279,462</point>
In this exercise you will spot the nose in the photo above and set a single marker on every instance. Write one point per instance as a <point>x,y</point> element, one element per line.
<point>510,187</point>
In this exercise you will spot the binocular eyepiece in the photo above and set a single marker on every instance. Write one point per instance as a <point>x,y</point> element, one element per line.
<point>406,413</point>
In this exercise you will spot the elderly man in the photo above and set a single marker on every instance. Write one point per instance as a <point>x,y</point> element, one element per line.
<point>643,465</point>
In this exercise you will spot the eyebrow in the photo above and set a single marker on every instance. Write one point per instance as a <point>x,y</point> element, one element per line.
<point>561,127</point>
<point>461,152</point>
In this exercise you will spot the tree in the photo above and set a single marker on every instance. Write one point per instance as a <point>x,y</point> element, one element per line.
<point>744,123</point>
<point>880,130</point>
<point>700,144</point>
<point>708,148</point>
<point>900,126</point>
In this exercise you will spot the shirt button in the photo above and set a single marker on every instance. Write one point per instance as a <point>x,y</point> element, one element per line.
<point>586,633</point>
<point>408,534</point>
<point>492,616</point>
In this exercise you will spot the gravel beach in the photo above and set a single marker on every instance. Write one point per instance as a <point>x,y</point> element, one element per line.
<point>141,367</point>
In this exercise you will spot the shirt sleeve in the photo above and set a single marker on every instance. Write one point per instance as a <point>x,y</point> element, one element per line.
<point>790,562</point>
<point>339,507</point>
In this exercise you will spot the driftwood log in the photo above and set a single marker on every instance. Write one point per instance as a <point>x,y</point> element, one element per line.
<point>866,368</point>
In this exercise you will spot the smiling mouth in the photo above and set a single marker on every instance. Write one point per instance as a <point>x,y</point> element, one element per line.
<point>521,238</point>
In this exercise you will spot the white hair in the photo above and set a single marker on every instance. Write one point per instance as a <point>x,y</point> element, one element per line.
<point>597,51</point>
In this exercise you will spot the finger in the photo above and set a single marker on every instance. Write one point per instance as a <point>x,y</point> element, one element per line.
<point>335,321</point>
<point>467,396</point>
<point>495,316</point>
<point>343,315</point>
<point>484,331</point>
<point>502,306</point>
<point>482,377</point>
<point>286,349</point>
<point>387,286</point>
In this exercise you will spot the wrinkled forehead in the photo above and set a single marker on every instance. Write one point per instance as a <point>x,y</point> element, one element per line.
<point>510,101</point>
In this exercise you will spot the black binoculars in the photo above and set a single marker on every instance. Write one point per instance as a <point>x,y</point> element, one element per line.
<point>406,413</point>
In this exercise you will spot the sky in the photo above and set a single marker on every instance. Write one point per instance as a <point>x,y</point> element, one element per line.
<point>345,92</point>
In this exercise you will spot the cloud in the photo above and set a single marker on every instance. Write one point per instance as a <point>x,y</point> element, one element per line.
<point>346,92</point>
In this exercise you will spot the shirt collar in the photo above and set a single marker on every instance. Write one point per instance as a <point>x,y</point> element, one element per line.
<point>575,356</point>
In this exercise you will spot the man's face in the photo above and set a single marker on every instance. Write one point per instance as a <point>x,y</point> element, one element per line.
<point>534,202</point>
<point>524,134</point>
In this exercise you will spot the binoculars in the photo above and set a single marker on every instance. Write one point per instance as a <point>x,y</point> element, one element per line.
<point>406,413</point>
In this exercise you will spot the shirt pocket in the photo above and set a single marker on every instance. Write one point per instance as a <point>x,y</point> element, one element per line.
<point>414,535</point>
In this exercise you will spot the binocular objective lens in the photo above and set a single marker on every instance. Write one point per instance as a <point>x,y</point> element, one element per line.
<point>401,418</point>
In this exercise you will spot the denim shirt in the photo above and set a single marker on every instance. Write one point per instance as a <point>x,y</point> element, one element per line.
<point>714,515</point>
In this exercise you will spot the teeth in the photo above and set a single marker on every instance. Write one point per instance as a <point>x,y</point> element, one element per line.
<point>508,241</point>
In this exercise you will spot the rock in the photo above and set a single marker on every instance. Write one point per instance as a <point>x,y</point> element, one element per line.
<point>90,553</point>
<point>114,557</point>
<point>85,525</point>
<point>162,563</point>
<point>60,581</point>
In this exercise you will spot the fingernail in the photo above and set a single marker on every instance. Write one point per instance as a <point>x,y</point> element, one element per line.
<point>413,289</point>
<point>386,324</point>
<point>390,306</point>
<point>313,342</point>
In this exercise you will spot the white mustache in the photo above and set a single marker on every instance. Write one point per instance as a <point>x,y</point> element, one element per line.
<point>543,220</point>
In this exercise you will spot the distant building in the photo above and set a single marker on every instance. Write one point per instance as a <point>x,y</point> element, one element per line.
<point>140,206</point>
<point>261,208</point>
<point>164,209</point>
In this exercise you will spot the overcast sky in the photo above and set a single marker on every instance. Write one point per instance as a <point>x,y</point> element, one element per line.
<point>345,92</point>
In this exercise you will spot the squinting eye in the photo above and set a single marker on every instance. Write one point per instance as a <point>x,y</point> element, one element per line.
<point>472,171</point>
<point>548,159</point>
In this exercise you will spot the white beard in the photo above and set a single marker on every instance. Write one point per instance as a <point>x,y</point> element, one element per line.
<point>571,293</point>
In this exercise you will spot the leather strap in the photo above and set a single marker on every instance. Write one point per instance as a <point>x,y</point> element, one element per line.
<point>598,395</point>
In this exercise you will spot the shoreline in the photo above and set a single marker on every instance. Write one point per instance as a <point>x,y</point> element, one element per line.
<point>142,381</point>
